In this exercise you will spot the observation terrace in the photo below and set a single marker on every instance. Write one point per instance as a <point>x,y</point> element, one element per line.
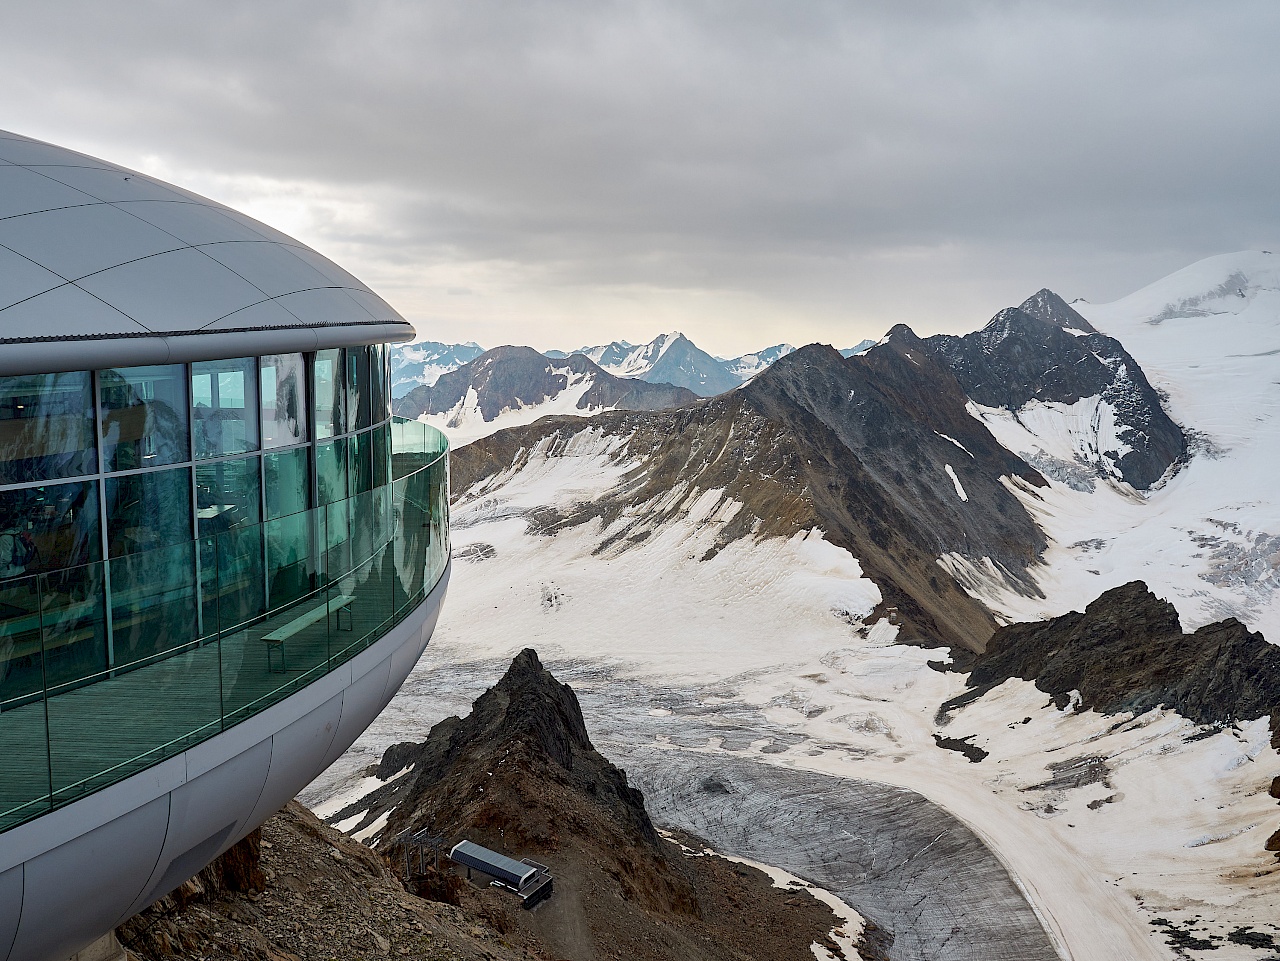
<point>220,555</point>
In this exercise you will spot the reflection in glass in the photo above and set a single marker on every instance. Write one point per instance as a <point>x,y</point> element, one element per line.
<point>382,455</point>
<point>358,403</point>
<point>46,427</point>
<point>228,498</point>
<point>330,393</point>
<point>331,493</point>
<point>378,381</point>
<point>153,603</point>
<point>148,511</point>
<point>331,471</point>
<point>290,568</point>
<point>360,452</point>
<point>21,664</point>
<point>48,528</point>
<point>144,416</point>
<point>224,407</point>
<point>74,619</point>
<point>284,400</point>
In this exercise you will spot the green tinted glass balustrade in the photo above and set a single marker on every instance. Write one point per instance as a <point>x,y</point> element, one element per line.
<point>281,601</point>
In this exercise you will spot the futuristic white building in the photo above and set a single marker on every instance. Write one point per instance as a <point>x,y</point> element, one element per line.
<point>220,556</point>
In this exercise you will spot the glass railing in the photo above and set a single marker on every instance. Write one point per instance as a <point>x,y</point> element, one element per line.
<point>111,667</point>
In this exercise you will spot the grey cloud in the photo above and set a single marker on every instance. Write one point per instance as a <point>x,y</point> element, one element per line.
<point>783,151</point>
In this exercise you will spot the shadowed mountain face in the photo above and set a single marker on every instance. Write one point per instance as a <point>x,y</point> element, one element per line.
<point>686,365</point>
<point>508,378</point>
<point>1029,354</point>
<point>876,451</point>
<point>1128,652</point>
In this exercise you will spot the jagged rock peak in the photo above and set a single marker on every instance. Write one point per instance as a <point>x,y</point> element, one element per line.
<point>529,701</point>
<point>1010,322</point>
<point>1045,305</point>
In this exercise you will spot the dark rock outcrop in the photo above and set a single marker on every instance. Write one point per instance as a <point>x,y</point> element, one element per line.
<point>527,727</point>
<point>520,775</point>
<point>507,378</point>
<point>1045,305</point>
<point>1128,652</point>
<point>1027,354</point>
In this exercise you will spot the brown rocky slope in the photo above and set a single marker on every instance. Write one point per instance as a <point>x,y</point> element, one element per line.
<point>519,775</point>
<point>863,449</point>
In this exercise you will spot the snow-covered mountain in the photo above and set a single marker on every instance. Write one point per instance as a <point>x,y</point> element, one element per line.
<point>857,348</point>
<point>748,365</point>
<point>667,359</point>
<point>413,365</point>
<point>674,359</point>
<point>813,562</point>
<point>508,386</point>
<point>1208,537</point>
<point>1044,367</point>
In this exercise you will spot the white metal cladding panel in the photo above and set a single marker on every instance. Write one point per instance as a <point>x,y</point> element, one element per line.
<point>75,893</point>
<point>10,907</point>
<point>89,249</point>
<point>207,815</point>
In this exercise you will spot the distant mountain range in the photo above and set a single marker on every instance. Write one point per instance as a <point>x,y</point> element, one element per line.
<point>508,386</point>
<point>667,359</point>
<point>413,365</point>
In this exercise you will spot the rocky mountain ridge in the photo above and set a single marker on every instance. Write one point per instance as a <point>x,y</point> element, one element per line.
<point>877,451</point>
<point>519,774</point>
<point>509,379</point>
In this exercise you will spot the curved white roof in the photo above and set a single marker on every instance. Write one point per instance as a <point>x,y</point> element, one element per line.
<point>102,266</point>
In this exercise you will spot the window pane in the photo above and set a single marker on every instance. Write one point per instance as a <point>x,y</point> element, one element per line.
<point>48,528</point>
<point>227,512</point>
<point>287,482</point>
<point>144,416</point>
<point>153,602</point>
<point>382,456</point>
<point>224,407</point>
<point>360,452</point>
<point>378,381</point>
<point>284,400</point>
<point>331,395</point>
<point>21,663</point>
<point>290,567</point>
<point>75,623</point>
<point>46,427</point>
<point>153,595</point>
<point>331,471</point>
<point>358,408</point>
<point>148,511</point>
<point>227,495</point>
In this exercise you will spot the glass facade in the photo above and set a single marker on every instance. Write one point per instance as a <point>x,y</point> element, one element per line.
<point>183,545</point>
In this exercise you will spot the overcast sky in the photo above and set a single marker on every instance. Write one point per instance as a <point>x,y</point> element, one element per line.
<point>561,174</point>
